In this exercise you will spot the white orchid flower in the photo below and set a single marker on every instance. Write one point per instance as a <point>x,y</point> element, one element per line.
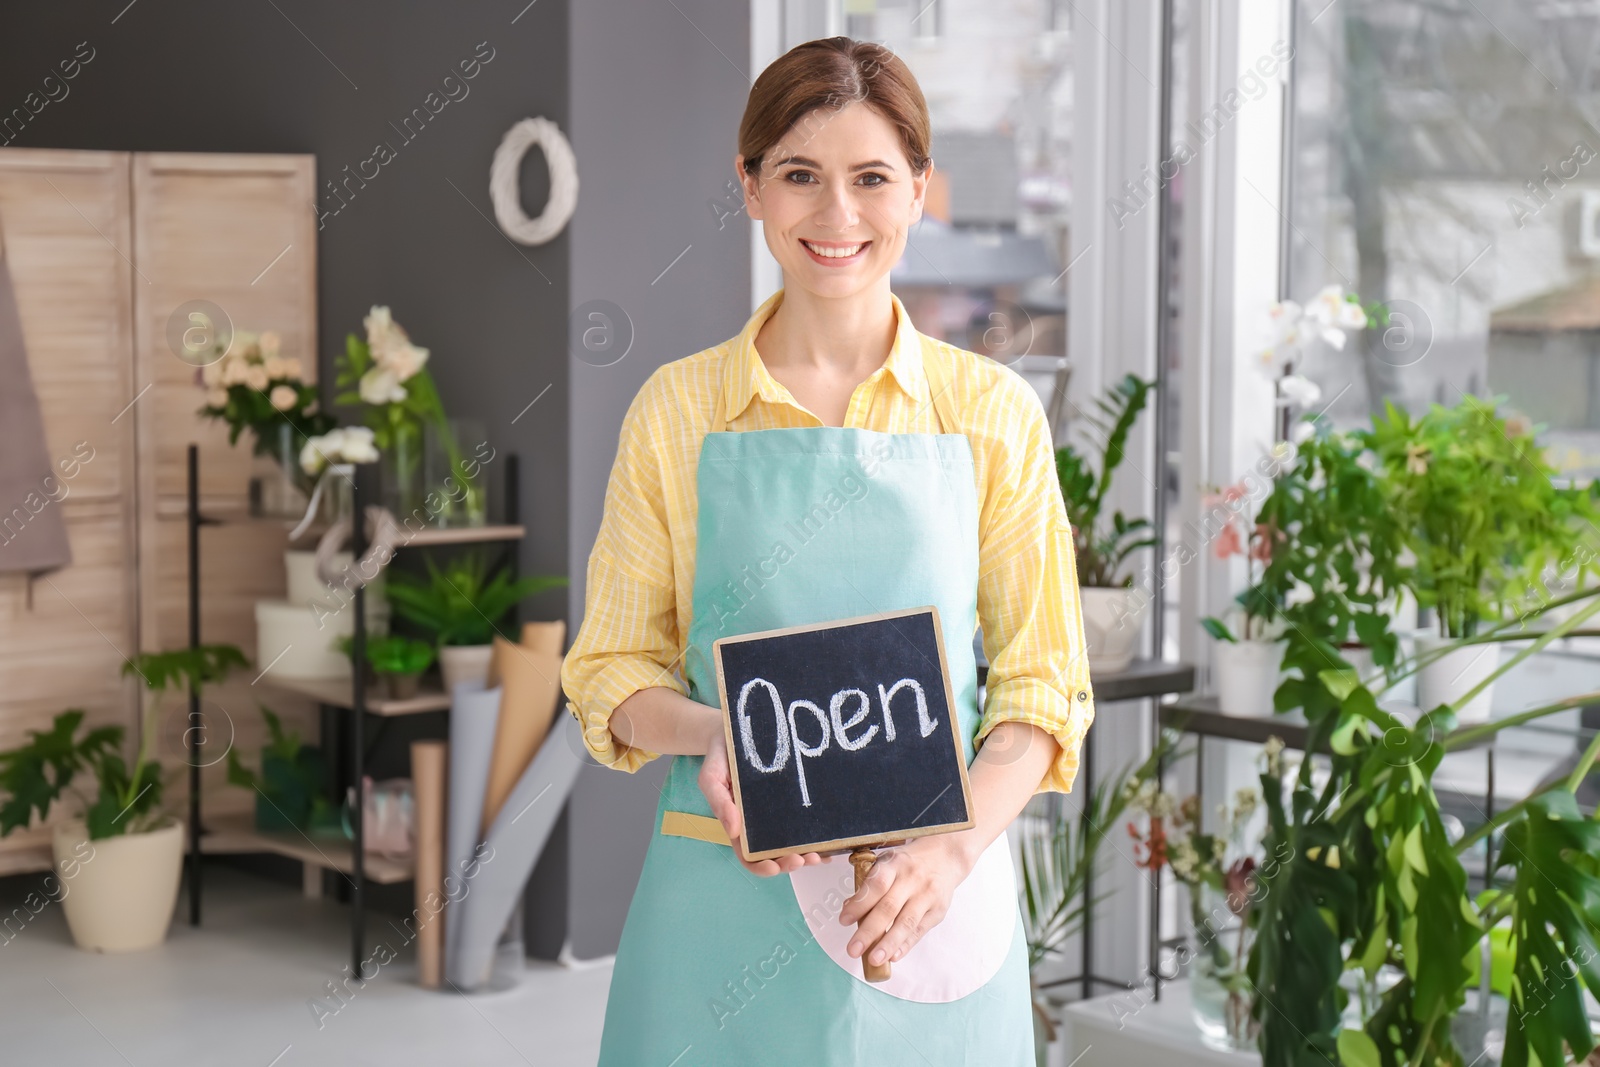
<point>314,453</point>
<point>378,324</point>
<point>402,360</point>
<point>381,386</point>
<point>358,446</point>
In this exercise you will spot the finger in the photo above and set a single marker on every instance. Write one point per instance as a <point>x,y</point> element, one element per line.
<point>875,924</point>
<point>872,890</point>
<point>909,926</point>
<point>764,868</point>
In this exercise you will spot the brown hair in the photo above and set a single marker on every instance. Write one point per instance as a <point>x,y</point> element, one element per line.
<point>827,74</point>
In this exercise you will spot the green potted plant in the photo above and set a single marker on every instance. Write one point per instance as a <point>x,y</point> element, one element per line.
<point>1479,508</point>
<point>462,605</point>
<point>1112,607</point>
<point>396,661</point>
<point>289,788</point>
<point>1375,883</point>
<point>122,854</point>
<point>1248,658</point>
<point>1328,548</point>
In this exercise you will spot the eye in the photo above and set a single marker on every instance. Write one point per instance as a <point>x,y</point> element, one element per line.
<point>874,174</point>
<point>793,174</point>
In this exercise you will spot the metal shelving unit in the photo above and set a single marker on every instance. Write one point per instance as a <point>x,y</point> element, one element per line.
<point>334,696</point>
<point>1139,680</point>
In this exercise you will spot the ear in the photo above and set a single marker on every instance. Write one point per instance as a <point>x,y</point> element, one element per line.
<point>751,187</point>
<point>919,192</point>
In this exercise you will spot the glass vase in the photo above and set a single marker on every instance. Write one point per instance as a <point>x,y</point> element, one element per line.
<point>400,477</point>
<point>275,475</point>
<point>453,470</point>
<point>1222,996</point>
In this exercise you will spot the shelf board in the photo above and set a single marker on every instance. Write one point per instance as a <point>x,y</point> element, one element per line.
<point>1141,678</point>
<point>26,860</point>
<point>460,535</point>
<point>231,834</point>
<point>336,692</point>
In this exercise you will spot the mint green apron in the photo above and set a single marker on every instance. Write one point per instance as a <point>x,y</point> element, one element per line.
<point>720,966</point>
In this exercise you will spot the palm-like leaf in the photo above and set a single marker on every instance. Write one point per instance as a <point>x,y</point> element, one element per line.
<point>1101,552</point>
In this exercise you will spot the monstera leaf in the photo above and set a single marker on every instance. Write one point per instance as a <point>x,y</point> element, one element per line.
<point>1555,915</point>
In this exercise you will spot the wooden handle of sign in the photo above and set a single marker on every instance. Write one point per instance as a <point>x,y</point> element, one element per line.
<point>862,860</point>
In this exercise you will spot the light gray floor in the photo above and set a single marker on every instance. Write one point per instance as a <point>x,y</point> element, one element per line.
<point>236,992</point>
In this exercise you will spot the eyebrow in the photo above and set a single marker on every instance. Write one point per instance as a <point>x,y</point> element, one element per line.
<point>804,161</point>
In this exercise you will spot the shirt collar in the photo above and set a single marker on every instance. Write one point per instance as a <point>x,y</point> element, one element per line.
<point>748,377</point>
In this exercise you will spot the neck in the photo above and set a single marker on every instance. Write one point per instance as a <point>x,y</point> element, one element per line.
<point>849,335</point>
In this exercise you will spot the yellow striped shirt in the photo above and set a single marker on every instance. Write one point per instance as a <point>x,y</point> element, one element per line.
<point>638,602</point>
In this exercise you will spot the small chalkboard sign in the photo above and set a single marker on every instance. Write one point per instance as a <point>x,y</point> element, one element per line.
<point>843,734</point>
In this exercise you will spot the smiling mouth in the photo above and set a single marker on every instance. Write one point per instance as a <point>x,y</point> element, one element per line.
<point>836,251</point>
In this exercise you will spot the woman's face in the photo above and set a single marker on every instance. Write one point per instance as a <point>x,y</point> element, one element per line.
<point>837,198</point>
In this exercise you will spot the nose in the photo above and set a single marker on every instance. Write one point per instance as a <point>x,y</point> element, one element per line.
<point>839,210</point>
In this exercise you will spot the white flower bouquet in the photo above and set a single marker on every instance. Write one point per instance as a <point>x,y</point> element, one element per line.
<point>388,375</point>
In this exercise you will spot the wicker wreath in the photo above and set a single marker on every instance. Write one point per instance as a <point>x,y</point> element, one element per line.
<point>503,187</point>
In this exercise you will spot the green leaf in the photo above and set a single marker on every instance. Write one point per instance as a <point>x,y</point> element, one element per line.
<point>1356,1049</point>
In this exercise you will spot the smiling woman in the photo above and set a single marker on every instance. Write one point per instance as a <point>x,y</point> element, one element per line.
<point>920,474</point>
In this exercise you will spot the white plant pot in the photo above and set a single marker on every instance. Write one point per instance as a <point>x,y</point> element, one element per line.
<point>1111,623</point>
<point>119,891</point>
<point>1450,677</point>
<point>464,663</point>
<point>1248,673</point>
<point>1360,658</point>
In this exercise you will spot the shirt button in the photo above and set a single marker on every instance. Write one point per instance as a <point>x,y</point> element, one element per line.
<point>1082,695</point>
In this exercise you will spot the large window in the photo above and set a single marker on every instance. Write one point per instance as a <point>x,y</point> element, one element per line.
<point>1443,161</point>
<point>985,268</point>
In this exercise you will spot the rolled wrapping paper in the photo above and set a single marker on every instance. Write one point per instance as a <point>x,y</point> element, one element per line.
<point>428,762</point>
<point>545,636</point>
<point>514,842</point>
<point>529,676</point>
<point>474,711</point>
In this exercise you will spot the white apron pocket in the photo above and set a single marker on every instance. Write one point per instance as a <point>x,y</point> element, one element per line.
<point>955,958</point>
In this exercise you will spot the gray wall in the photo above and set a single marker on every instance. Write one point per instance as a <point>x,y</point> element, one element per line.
<point>655,115</point>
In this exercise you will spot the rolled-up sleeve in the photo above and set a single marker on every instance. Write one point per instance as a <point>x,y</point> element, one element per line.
<point>630,637</point>
<point>1028,600</point>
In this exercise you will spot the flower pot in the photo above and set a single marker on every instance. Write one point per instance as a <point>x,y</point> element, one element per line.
<point>1453,674</point>
<point>464,663</point>
<point>119,891</point>
<point>1111,624</point>
<point>399,686</point>
<point>1247,674</point>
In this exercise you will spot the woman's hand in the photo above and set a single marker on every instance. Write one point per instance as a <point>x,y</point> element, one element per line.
<point>907,894</point>
<point>716,782</point>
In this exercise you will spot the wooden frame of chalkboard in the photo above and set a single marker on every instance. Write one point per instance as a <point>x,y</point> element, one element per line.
<point>868,840</point>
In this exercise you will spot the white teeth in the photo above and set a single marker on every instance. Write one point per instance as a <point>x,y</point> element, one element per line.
<point>833,253</point>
